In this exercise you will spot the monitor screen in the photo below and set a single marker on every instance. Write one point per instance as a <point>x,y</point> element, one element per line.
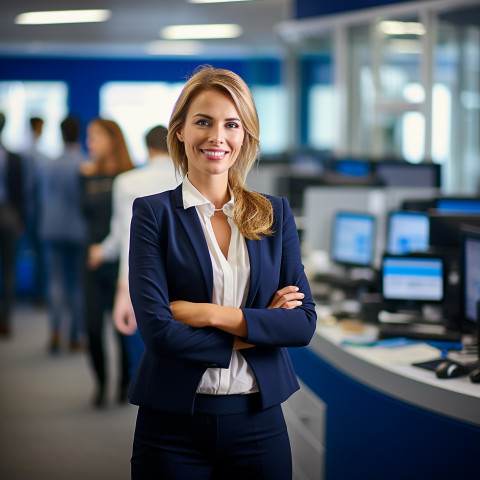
<point>353,238</point>
<point>458,205</point>
<point>413,278</point>
<point>352,167</point>
<point>407,232</point>
<point>470,245</point>
<point>398,174</point>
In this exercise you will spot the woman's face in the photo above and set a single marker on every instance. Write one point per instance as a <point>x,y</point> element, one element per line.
<point>99,142</point>
<point>212,134</point>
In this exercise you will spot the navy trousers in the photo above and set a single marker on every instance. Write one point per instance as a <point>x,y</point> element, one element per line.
<point>250,445</point>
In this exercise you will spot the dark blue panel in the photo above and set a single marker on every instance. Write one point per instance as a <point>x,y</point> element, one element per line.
<point>258,71</point>
<point>371,435</point>
<point>314,8</point>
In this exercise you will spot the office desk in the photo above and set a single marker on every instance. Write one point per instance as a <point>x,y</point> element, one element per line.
<point>388,422</point>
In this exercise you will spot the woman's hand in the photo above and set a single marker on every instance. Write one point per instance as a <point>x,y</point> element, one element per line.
<point>95,256</point>
<point>287,297</point>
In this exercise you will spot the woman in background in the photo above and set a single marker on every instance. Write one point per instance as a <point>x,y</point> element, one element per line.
<point>219,291</point>
<point>107,148</point>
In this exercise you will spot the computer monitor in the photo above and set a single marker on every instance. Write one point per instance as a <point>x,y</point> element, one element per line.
<point>352,167</point>
<point>458,205</point>
<point>353,239</point>
<point>470,274</point>
<point>445,228</point>
<point>404,174</point>
<point>413,279</point>
<point>407,232</point>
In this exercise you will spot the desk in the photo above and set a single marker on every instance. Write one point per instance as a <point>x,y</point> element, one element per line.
<point>388,421</point>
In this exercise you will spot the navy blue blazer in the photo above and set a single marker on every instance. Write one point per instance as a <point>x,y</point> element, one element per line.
<point>169,260</point>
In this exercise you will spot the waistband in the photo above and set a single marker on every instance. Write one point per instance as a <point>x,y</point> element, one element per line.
<point>227,404</point>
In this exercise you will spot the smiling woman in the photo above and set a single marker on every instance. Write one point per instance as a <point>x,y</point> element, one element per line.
<point>219,291</point>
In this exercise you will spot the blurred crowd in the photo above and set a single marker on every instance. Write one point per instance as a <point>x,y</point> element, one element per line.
<point>74,212</point>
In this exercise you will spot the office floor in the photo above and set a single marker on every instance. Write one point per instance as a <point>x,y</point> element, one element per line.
<point>48,430</point>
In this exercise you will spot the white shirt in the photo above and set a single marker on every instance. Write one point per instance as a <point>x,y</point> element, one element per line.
<point>231,280</point>
<point>157,176</point>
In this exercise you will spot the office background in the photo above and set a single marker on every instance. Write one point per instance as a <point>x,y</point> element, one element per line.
<point>350,85</point>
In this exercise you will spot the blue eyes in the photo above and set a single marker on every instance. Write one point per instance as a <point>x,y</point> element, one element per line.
<point>206,123</point>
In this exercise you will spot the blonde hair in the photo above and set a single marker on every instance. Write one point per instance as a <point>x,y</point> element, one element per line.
<point>253,213</point>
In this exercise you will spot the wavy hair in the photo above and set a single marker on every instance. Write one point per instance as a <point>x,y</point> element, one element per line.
<point>253,213</point>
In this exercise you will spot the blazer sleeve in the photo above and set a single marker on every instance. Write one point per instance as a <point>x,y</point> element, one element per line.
<point>149,291</point>
<point>280,326</point>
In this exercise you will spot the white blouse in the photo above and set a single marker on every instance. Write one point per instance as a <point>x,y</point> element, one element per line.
<point>231,279</point>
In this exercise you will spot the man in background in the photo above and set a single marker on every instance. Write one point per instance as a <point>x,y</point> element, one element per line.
<point>11,227</point>
<point>62,233</point>
<point>157,176</point>
<point>33,160</point>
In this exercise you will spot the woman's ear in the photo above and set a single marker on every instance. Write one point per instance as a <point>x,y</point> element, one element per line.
<point>180,135</point>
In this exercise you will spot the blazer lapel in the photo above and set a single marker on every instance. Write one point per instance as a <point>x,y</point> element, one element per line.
<point>254,248</point>
<point>191,223</point>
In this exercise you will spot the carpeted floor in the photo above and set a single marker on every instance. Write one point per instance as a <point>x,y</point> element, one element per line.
<point>48,429</point>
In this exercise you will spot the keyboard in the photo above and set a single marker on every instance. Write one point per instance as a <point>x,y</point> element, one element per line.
<point>418,332</point>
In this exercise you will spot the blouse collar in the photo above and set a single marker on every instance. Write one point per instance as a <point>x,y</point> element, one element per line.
<point>193,198</point>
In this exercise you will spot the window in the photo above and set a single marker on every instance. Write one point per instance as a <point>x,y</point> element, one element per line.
<point>20,101</point>
<point>137,107</point>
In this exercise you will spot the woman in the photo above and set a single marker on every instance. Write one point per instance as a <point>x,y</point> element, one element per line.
<point>106,146</point>
<point>219,290</point>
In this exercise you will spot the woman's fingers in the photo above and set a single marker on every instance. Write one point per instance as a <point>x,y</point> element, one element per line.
<point>287,297</point>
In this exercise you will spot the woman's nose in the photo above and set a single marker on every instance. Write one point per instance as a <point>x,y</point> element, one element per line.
<point>217,135</point>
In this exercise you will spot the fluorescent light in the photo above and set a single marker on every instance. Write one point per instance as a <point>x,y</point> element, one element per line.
<point>402,28</point>
<point>168,47</point>
<point>217,1</point>
<point>62,16</point>
<point>191,32</point>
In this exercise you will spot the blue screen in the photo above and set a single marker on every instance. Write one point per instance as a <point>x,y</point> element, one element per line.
<point>352,167</point>
<point>407,232</point>
<point>410,278</point>
<point>353,239</point>
<point>472,276</point>
<point>458,205</point>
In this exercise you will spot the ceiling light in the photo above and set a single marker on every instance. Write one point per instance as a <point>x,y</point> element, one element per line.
<point>191,32</point>
<point>164,47</point>
<point>402,28</point>
<point>62,16</point>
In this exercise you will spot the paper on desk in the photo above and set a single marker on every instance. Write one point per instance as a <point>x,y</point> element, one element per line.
<point>401,355</point>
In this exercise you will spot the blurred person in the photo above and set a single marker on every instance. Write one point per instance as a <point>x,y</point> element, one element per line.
<point>11,227</point>
<point>34,160</point>
<point>158,175</point>
<point>107,148</point>
<point>219,292</point>
<point>62,232</point>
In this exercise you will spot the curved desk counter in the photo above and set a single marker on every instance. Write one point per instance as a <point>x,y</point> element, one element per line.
<point>386,419</point>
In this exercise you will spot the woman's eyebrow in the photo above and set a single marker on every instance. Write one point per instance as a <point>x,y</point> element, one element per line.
<point>204,115</point>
